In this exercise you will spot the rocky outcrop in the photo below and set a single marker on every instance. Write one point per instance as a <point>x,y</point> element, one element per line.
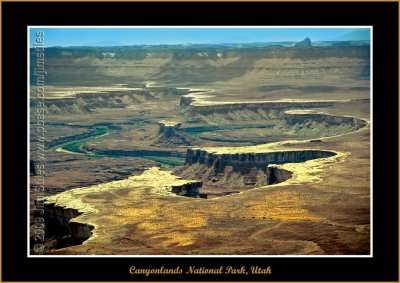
<point>188,190</point>
<point>170,135</point>
<point>168,129</point>
<point>304,43</point>
<point>58,223</point>
<point>186,100</point>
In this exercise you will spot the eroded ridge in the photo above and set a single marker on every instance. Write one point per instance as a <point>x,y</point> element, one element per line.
<point>243,170</point>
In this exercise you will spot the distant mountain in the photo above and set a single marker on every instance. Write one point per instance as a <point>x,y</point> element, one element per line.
<point>358,34</point>
<point>304,43</point>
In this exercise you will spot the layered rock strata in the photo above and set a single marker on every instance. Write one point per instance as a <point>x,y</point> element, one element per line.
<point>170,135</point>
<point>244,170</point>
<point>58,221</point>
<point>293,117</point>
<point>243,162</point>
<point>253,106</point>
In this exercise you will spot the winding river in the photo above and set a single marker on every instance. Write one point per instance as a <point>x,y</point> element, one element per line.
<point>75,144</point>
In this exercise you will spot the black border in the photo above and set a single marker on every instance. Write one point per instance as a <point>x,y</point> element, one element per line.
<point>382,16</point>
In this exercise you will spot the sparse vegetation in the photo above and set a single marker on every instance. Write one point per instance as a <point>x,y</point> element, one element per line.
<point>105,105</point>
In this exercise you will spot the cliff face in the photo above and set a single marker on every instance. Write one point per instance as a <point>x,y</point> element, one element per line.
<point>58,222</point>
<point>266,106</point>
<point>243,162</point>
<point>275,175</point>
<point>80,232</point>
<point>243,170</point>
<point>85,100</point>
<point>138,152</point>
<point>314,125</point>
<point>293,117</point>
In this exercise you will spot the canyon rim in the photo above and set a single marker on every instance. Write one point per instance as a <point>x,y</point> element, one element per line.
<point>255,146</point>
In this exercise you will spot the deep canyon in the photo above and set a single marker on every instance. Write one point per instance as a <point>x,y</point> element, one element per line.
<point>216,150</point>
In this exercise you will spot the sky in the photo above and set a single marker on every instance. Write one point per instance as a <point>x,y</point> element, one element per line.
<point>155,36</point>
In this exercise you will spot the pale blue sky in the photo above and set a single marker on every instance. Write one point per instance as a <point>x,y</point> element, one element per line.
<point>155,36</point>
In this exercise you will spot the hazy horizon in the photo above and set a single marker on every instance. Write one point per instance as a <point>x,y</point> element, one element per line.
<point>109,37</point>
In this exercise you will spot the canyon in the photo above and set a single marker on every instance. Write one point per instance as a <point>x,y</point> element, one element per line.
<point>208,150</point>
